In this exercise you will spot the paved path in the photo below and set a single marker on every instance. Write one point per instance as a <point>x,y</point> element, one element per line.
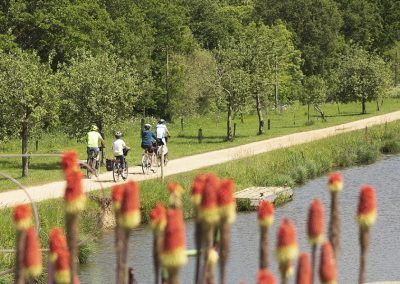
<point>189,163</point>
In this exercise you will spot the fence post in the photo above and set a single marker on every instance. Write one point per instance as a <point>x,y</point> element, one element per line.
<point>269,124</point>
<point>234,130</point>
<point>141,126</point>
<point>200,135</point>
<point>182,124</point>
<point>162,163</point>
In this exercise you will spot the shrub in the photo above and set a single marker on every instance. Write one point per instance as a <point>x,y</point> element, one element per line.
<point>300,174</point>
<point>390,147</point>
<point>367,153</point>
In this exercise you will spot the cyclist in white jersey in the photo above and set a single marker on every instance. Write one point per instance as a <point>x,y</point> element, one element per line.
<point>118,147</point>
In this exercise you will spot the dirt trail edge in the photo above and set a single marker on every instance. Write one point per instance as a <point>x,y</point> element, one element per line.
<point>189,163</point>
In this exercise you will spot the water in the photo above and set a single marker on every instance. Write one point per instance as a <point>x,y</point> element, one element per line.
<point>383,255</point>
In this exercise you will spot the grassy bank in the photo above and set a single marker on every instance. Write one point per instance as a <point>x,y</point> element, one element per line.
<point>291,120</point>
<point>290,166</point>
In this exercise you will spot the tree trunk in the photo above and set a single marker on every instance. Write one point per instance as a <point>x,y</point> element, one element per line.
<point>25,139</point>
<point>229,123</point>
<point>364,109</point>
<point>101,130</point>
<point>308,112</point>
<point>260,116</point>
<point>377,106</point>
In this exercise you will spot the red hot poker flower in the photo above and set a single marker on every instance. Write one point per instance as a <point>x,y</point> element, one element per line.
<point>117,193</point>
<point>69,161</point>
<point>158,217</point>
<point>304,272</point>
<point>32,255</point>
<point>226,200</point>
<point>74,197</point>
<point>62,268</point>
<point>197,188</point>
<point>57,242</point>
<point>366,214</point>
<point>130,207</point>
<point>335,182</point>
<point>22,216</point>
<point>315,225</point>
<point>327,267</point>
<point>174,252</point>
<point>208,211</point>
<point>265,213</point>
<point>264,276</point>
<point>287,248</point>
<point>175,194</point>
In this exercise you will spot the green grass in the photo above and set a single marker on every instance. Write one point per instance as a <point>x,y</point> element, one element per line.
<point>289,166</point>
<point>182,143</point>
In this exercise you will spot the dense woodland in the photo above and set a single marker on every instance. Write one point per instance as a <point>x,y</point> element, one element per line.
<point>66,64</point>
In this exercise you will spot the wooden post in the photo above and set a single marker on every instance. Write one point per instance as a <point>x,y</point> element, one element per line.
<point>269,124</point>
<point>234,130</point>
<point>182,124</point>
<point>162,162</point>
<point>200,135</point>
<point>141,126</point>
<point>37,145</point>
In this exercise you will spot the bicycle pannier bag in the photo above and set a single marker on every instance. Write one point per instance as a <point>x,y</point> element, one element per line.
<point>109,164</point>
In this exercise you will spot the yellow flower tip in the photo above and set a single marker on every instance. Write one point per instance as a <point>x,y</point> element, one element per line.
<point>366,220</point>
<point>212,257</point>
<point>196,199</point>
<point>53,257</point>
<point>287,253</point>
<point>158,227</point>
<point>336,186</point>
<point>209,216</point>
<point>266,222</point>
<point>33,271</point>
<point>228,213</point>
<point>289,271</point>
<point>24,224</point>
<point>130,220</point>
<point>174,259</point>
<point>62,277</point>
<point>76,206</point>
<point>330,282</point>
<point>316,240</point>
<point>117,206</point>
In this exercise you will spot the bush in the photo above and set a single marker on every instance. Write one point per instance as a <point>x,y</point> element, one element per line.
<point>390,147</point>
<point>312,168</point>
<point>300,174</point>
<point>367,154</point>
<point>282,180</point>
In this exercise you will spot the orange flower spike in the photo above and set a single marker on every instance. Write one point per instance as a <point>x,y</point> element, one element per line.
<point>264,276</point>
<point>175,194</point>
<point>57,242</point>
<point>327,267</point>
<point>117,193</point>
<point>304,272</point>
<point>366,214</point>
<point>208,211</point>
<point>315,225</point>
<point>226,200</point>
<point>62,272</point>
<point>265,213</point>
<point>130,207</point>
<point>74,197</point>
<point>69,161</point>
<point>32,255</point>
<point>197,188</point>
<point>335,182</point>
<point>158,218</point>
<point>174,252</point>
<point>22,217</point>
<point>287,248</point>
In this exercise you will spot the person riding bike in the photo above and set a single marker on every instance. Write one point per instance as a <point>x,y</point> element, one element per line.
<point>93,138</point>
<point>162,132</point>
<point>148,139</point>
<point>118,147</point>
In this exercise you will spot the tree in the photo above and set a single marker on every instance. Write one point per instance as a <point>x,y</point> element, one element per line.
<point>314,93</point>
<point>27,98</point>
<point>96,90</point>
<point>362,77</point>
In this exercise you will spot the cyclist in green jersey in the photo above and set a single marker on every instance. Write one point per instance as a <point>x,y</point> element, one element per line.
<point>93,138</point>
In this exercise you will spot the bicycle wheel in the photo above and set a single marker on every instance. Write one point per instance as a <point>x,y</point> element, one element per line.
<point>154,163</point>
<point>88,171</point>
<point>145,169</point>
<point>116,171</point>
<point>124,172</point>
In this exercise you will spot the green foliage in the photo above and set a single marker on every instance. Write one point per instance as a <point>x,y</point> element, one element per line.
<point>96,89</point>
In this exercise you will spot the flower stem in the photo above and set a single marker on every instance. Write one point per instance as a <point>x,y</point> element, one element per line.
<point>334,225</point>
<point>19,256</point>
<point>224,250</point>
<point>313,261</point>
<point>263,247</point>
<point>72,224</point>
<point>364,242</point>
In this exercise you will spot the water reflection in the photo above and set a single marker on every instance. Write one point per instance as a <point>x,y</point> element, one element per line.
<point>382,258</point>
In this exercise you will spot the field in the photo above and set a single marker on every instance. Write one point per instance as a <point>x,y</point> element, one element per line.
<point>182,143</point>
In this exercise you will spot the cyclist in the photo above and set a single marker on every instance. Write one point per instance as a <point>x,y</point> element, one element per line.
<point>162,132</point>
<point>118,147</point>
<point>93,138</point>
<point>148,139</point>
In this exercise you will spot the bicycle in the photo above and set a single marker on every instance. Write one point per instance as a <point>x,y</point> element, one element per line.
<point>119,170</point>
<point>162,148</point>
<point>92,164</point>
<point>148,162</point>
